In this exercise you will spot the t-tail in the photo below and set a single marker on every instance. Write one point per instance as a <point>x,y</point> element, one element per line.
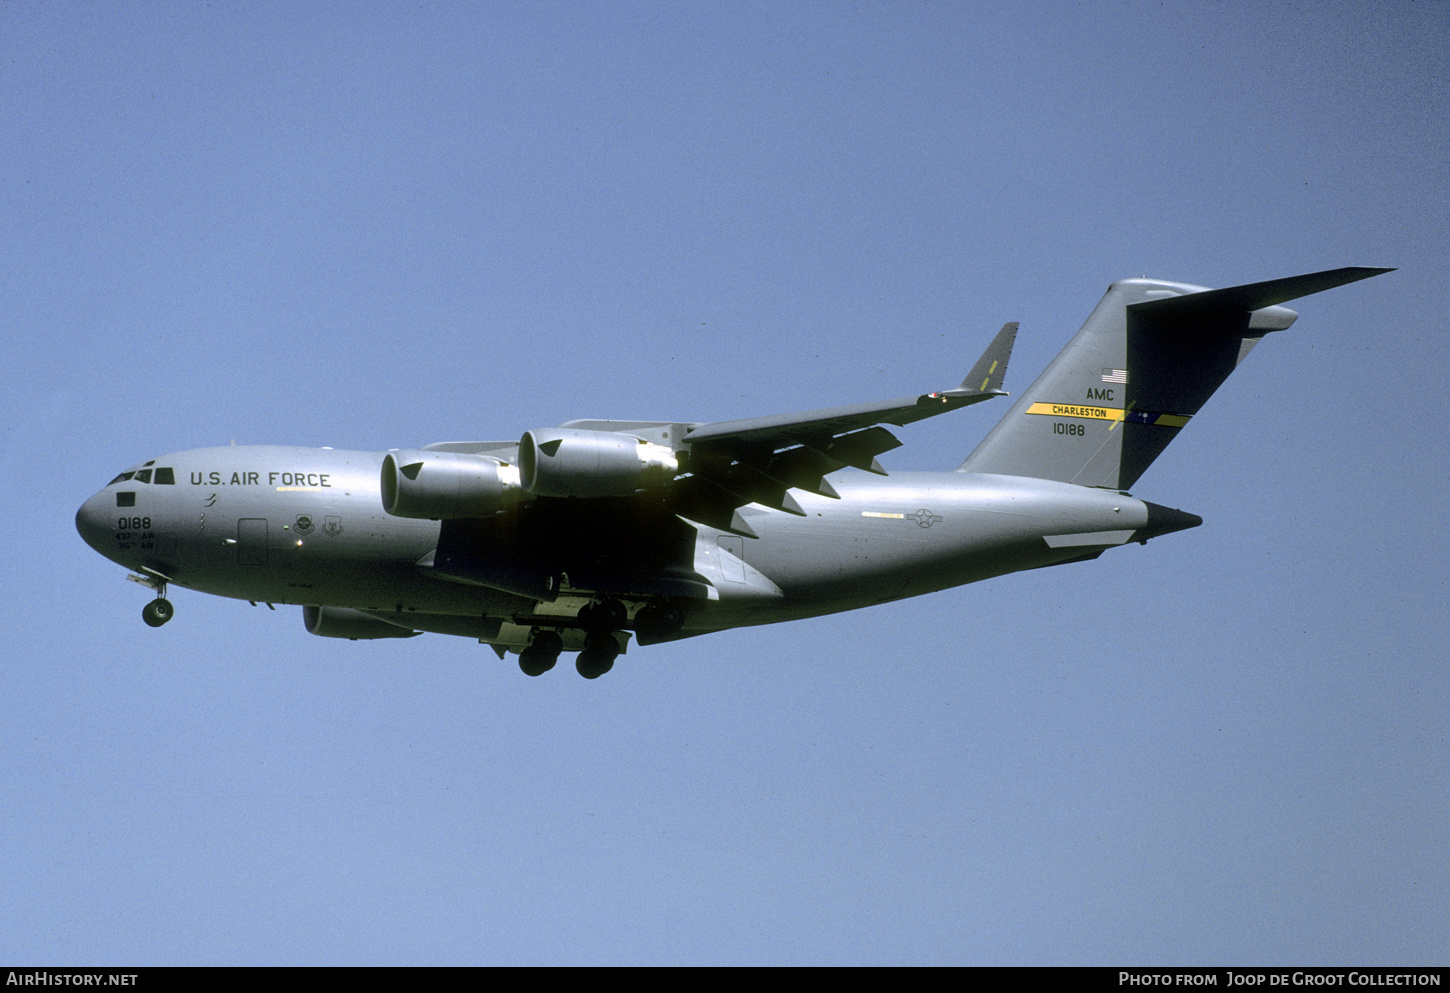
<point>1149,356</point>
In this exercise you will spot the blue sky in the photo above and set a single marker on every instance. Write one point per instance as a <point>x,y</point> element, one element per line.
<point>375,226</point>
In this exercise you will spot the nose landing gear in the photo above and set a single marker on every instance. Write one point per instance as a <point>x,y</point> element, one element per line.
<point>160,610</point>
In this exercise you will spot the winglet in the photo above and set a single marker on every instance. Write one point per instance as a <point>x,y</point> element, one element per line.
<point>987,375</point>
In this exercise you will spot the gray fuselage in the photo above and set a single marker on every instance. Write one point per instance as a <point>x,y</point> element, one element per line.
<point>306,526</point>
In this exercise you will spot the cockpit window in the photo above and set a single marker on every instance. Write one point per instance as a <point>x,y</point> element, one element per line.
<point>164,476</point>
<point>126,498</point>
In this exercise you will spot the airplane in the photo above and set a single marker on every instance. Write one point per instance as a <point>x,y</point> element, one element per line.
<point>576,537</point>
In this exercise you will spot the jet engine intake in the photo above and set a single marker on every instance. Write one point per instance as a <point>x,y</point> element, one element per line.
<point>569,462</point>
<point>440,486</point>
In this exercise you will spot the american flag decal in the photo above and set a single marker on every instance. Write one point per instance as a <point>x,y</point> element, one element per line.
<point>1115,376</point>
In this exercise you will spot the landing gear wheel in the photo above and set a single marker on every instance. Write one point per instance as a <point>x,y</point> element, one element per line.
<point>540,656</point>
<point>592,665</point>
<point>535,663</point>
<point>606,615</point>
<point>157,612</point>
<point>658,621</point>
<point>600,651</point>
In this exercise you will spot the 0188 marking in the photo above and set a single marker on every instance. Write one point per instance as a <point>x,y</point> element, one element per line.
<point>1059,427</point>
<point>133,524</point>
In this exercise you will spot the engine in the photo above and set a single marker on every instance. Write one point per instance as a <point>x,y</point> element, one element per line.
<point>344,622</point>
<point>567,462</point>
<point>447,485</point>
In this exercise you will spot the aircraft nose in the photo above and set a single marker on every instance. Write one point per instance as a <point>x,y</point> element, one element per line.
<point>93,520</point>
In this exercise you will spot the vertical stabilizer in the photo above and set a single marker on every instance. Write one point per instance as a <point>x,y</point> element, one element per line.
<point>1149,356</point>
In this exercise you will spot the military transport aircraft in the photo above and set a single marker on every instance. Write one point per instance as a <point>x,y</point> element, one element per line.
<point>573,537</point>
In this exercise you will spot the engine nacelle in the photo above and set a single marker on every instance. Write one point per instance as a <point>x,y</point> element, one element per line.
<point>441,486</point>
<point>566,462</point>
<point>344,622</point>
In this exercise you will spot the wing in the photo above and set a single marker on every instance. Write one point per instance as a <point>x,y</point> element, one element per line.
<point>760,460</point>
<point>559,512</point>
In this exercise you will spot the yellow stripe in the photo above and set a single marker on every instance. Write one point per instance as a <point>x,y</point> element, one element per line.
<point>1071,410</point>
<point>876,513</point>
<point>1110,414</point>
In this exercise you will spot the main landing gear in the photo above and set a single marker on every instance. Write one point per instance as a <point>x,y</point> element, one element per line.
<point>604,622</point>
<point>597,658</point>
<point>657,622</point>
<point>601,647</point>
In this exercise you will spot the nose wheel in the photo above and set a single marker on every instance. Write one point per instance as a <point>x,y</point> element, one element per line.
<point>157,612</point>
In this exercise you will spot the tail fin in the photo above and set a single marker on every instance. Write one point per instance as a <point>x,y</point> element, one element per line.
<point>1149,356</point>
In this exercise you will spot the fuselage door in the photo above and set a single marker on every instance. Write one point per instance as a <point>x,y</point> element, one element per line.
<point>252,541</point>
<point>732,564</point>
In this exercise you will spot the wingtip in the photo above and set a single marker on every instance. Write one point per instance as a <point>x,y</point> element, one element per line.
<point>1354,273</point>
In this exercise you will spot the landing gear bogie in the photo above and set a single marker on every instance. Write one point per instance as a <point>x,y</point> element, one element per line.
<point>606,615</point>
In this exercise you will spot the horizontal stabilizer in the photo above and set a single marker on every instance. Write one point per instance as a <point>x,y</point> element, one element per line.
<point>1253,296</point>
